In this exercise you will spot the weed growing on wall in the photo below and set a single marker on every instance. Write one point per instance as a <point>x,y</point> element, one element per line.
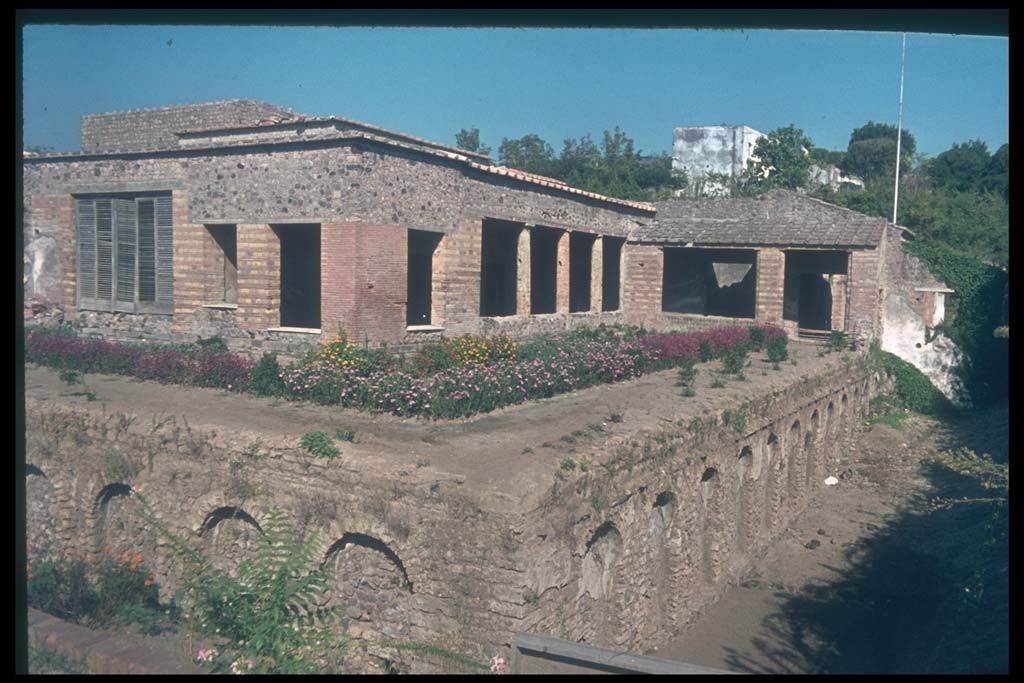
<point>320,445</point>
<point>911,388</point>
<point>271,619</point>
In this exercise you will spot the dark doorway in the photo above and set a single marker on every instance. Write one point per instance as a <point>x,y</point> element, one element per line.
<point>498,267</point>
<point>611,269</point>
<point>581,256</point>
<point>300,275</point>
<point>420,276</point>
<point>543,269</point>
<point>815,303</point>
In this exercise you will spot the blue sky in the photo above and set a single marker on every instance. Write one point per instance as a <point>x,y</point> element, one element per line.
<point>556,83</point>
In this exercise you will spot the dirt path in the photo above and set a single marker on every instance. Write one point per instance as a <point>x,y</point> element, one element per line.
<point>870,579</point>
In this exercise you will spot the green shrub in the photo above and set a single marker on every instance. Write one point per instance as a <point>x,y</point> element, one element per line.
<point>705,352</point>
<point>836,340</point>
<point>568,464</point>
<point>320,445</point>
<point>212,344</point>
<point>345,434</point>
<point>266,377</point>
<point>687,372</point>
<point>734,359</point>
<point>911,388</point>
<point>776,348</point>
<point>756,337</point>
<point>718,382</point>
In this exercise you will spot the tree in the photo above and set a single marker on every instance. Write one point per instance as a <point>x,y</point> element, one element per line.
<point>470,139</point>
<point>780,159</point>
<point>961,167</point>
<point>872,151</point>
<point>997,175</point>
<point>529,153</point>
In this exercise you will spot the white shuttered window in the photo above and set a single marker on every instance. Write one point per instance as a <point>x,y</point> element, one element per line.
<point>125,254</point>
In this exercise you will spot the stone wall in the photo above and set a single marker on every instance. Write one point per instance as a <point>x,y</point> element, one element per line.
<point>619,555</point>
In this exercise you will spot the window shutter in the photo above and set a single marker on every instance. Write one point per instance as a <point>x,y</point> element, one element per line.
<point>104,253</point>
<point>85,220</point>
<point>147,251</point>
<point>126,246</point>
<point>164,225</point>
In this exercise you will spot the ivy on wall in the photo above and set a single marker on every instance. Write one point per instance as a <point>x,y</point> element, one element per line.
<point>980,305</point>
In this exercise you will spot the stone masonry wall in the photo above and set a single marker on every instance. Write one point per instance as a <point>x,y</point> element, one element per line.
<point>617,556</point>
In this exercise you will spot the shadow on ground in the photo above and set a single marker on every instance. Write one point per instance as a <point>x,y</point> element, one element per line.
<point>927,593</point>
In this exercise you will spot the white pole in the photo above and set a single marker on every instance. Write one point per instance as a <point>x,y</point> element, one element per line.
<point>899,134</point>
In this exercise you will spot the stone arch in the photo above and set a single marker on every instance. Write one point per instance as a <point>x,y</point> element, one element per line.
<point>371,583</point>
<point>775,481</point>
<point>793,460</point>
<point>748,503</point>
<point>715,544</point>
<point>664,540</point>
<point>662,511</point>
<point>229,534</point>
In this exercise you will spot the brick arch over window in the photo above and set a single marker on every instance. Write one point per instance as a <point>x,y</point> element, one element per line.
<point>353,539</point>
<point>228,534</point>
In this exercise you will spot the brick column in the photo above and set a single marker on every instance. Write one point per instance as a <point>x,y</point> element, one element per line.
<point>771,273</point>
<point>338,265</point>
<point>596,277</point>
<point>642,268</point>
<point>838,283</point>
<point>864,294</point>
<point>188,266</point>
<point>54,216</point>
<point>457,273</point>
<point>562,274</point>
<point>259,276</point>
<point>523,273</point>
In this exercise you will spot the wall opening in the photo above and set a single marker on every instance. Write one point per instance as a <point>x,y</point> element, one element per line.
<point>719,282</point>
<point>793,444</point>
<point>224,513</point>
<point>224,264</point>
<point>611,272</point>
<point>420,276</point>
<point>357,540</point>
<point>543,269</point>
<point>300,275</point>
<point>814,283</point>
<point>499,255</point>
<point>581,257</point>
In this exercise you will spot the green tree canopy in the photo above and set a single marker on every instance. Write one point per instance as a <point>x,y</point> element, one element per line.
<point>469,138</point>
<point>872,151</point>
<point>528,153</point>
<point>781,159</point>
<point>961,167</point>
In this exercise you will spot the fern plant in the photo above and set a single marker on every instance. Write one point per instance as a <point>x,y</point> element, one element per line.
<point>272,618</point>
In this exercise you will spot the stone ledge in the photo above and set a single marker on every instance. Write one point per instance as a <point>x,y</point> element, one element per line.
<point>103,651</point>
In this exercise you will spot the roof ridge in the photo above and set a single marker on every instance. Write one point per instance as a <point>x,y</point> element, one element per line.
<point>182,106</point>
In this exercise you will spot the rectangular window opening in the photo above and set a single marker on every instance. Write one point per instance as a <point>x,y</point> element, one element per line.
<point>499,255</point>
<point>420,269</point>
<point>719,282</point>
<point>300,275</point>
<point>543,269</point>
<point>807,292</point>
<point>611,272</point>
<point>581,256</point>
<point>224,264</point>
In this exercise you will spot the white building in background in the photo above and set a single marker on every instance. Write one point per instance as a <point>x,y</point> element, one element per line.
<point>725,151</point>
<point>703,150</point>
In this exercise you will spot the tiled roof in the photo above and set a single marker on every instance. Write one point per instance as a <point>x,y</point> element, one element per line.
<point>780,217</point>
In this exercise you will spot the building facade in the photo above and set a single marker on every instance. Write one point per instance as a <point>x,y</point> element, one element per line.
<point>273,230</point>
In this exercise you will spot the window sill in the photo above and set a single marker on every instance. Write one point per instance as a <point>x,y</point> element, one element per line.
<point>221,307</point>
<point>297,330</point>
<point>424,328</point>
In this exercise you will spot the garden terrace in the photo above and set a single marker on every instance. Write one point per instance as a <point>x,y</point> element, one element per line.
<point>469,515</point>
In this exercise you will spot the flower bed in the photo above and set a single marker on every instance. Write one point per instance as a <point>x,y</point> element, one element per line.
<point>476,375</point>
